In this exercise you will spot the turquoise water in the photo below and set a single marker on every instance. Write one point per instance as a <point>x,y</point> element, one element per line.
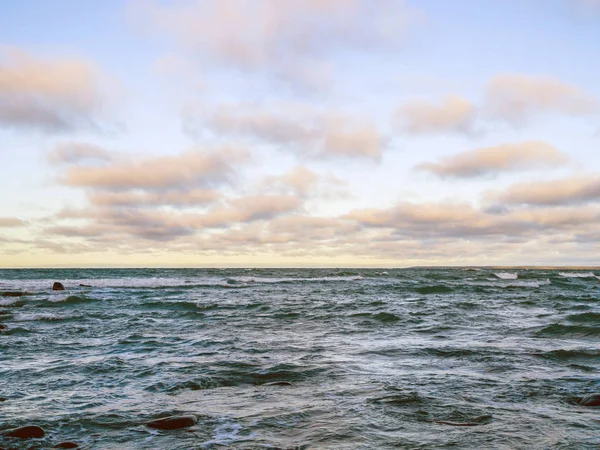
<point>369,359</point>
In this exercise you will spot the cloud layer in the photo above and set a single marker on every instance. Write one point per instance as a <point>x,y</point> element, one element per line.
<point>454,113</point>
<point>512,98</point>
<point>305,130</point>
<point>47,94</point>
<point>516,97</point>
<point>493,160</point>
<point>567,191</point>
<point>292,40</point>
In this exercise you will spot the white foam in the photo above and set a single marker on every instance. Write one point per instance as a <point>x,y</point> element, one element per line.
<point>506,275</point>
<point>73,284</point>
<point>577,275</point>
<point>32,317</point>
<point>514,284</point>
<point>227,433</point>
<point>9,301</point>
<point>292,279</point>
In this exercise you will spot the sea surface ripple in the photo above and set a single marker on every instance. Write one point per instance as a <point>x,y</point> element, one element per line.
<point>302,358</point>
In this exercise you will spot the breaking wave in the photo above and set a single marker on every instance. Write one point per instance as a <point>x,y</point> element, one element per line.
<point>506,275</point>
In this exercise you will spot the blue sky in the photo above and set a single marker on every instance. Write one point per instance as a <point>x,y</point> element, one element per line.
<point>299,133</point>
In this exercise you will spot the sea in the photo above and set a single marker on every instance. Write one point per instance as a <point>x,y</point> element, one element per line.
<point>422,358</point>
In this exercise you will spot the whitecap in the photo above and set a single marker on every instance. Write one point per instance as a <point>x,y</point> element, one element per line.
<point>514,284</point>
<point>577,275</point>
<point>10,301</point>
<point>33,317</point>
<point>291,279</point>
<point>506,275</point>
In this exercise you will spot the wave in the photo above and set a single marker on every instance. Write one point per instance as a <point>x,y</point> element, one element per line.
<point>567,354</point>
<point>69,300</point>
<point>44,317</point>
<point>227,374</point>
<point>234,280</point>
<point>506,275</point>
<point>577,275</point>
<point>174,387</point>
<point>11,301</point>
<point>588,317</point>
<point>438,289</point>
<point>187,283</point>
<point>557,329</point>
<point>400,399</point>
<point>386,317</point>
<point>515,284</point>
<point>381,317</point>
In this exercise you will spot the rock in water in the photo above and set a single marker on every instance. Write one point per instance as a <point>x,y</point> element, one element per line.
<point>173,422</point>
<point>27,432</point>
<point>58,286</point>
<point>13,294</point>
<point>66,445</point>
<point>3,327</point>
<point>589,400</point>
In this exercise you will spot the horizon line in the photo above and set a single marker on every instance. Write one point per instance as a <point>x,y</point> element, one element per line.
<point>437,266</point>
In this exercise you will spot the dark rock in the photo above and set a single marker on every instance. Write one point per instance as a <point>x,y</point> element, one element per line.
<point>85,285</point>
<point>3,327</point>
<point>5,313</point>
<point>66,445</point>
<point>278,383</point>
<point>3,399</point>
<point>589,400</point>
<point>173,422</point>
<point>27,432</point>
<point>58,286</point>
<point>13,294</point>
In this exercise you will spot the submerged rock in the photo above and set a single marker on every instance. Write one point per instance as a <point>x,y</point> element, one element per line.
<point>27,432</point>
<point>13,294</point>
<point>173,422</point>
<point>3,327</point>
<point>66,445</point>
<point>58,286</point>
<point>85,285</point>
<point>588,400</point>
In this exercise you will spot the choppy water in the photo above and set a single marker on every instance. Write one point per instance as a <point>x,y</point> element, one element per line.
<point>374,357</point>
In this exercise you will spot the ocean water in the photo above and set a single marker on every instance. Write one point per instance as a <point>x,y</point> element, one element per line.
<point>303,358</point>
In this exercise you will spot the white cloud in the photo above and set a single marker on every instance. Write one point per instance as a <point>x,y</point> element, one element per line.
<point>517,97</point>
<point>501,158</point>
<point>453,114</point>
<point>308,131</point>
<point>280,37</point>
<point>51,95</point>
<point>572,190</point>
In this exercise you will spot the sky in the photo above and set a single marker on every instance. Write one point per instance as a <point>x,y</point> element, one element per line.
<point>294,133</point>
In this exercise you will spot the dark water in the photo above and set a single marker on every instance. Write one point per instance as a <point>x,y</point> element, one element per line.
<point>374,357</point>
